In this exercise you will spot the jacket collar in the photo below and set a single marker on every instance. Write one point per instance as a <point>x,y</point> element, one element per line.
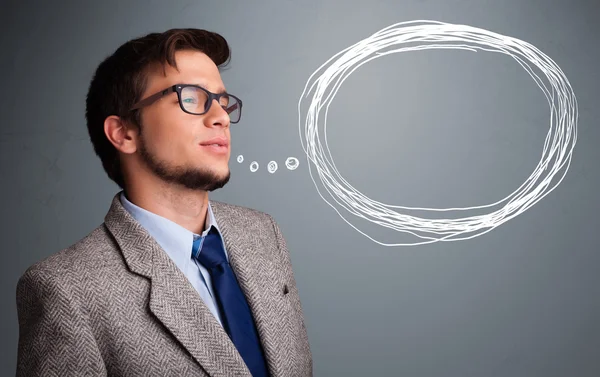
<point>173,299</point>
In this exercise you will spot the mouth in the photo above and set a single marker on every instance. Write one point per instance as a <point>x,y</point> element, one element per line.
<point>217,145</point>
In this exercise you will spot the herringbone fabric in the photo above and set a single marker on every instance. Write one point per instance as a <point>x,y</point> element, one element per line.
<point>114,304</point>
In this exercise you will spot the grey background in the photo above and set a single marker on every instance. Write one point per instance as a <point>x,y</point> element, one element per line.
<point>466,129</point>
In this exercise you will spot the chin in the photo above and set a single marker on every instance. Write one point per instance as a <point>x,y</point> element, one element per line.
<point>218,182</point>
<point>206,179</point>
<point>220,172</point>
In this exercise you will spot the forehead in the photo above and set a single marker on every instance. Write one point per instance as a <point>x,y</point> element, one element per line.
<point>193,67</point>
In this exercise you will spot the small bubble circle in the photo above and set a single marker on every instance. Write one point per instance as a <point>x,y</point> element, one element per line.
<point>272,167</point>
<point>292,163</point>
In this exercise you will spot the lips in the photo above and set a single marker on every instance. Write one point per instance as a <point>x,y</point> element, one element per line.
<point>217,146</point>
<point>216,142</point>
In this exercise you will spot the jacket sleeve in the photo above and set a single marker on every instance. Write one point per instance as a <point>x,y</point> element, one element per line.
<point>55,338</point>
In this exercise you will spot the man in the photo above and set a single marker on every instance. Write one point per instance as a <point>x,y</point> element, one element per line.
<point>171,284</point>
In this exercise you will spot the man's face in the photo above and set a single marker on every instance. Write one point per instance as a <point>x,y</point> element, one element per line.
<point>176,145</point>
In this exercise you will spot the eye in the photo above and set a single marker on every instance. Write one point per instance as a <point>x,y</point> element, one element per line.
<point>189,100</point>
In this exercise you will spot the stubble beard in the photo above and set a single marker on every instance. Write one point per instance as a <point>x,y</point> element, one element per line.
<point>191,178</point>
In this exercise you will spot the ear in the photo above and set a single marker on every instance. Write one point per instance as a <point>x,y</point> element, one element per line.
<point>121,134</point>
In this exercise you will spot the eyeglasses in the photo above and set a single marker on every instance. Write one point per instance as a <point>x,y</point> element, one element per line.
<point>196,100</point>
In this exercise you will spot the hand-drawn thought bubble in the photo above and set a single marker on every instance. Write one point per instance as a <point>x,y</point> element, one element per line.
<point>323,84</point>
<point>291,163</point>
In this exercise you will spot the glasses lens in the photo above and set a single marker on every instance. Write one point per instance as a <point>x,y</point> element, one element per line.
<point>233,107</point>
<point>193,99</point>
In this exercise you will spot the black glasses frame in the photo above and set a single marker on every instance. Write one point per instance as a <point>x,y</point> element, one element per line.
<point>179,87</point>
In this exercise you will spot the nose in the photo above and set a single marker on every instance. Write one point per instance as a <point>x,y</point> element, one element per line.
<point>216,116</point>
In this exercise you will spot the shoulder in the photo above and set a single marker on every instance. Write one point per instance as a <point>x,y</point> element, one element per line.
<point>248,220</point>
<point>75,263</point>
<point>232,211</point>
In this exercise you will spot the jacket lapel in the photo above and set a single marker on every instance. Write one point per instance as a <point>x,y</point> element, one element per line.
<point>260,276</point>
<point>173,300</point>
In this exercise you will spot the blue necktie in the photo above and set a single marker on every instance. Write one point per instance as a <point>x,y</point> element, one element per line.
<point>235,312</point>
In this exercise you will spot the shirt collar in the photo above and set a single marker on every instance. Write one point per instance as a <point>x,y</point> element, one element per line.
<point>176,240</point>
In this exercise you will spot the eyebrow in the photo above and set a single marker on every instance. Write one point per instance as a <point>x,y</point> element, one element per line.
<point>221,89</point>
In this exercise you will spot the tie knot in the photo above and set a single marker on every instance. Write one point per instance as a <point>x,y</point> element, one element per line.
<point>211,254</point>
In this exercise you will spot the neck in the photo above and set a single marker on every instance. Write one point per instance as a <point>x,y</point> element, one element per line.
<point>183,206</point>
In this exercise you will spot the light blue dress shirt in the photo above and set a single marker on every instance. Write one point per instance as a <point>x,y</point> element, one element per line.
<point>177,243</point>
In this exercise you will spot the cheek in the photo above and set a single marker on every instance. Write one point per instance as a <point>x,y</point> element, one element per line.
<point>169,141</point>
<point>172,128</point>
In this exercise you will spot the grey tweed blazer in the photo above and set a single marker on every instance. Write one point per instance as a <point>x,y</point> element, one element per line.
<point>115,304</point>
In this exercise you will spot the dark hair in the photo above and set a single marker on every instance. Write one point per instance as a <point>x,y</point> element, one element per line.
<point>120,80</point>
